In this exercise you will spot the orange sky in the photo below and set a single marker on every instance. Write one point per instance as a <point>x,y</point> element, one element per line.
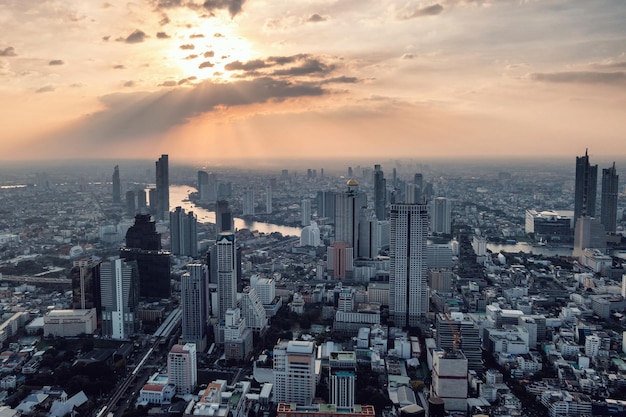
<point>259,79</point>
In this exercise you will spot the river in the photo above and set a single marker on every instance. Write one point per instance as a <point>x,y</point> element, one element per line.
<point>179,196</point>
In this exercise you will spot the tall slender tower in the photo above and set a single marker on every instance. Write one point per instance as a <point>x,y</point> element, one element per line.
<point>348,207</point>
<point>193,296</point>
<point>162,187</point>
<point>306,212</point>
<point>418,188</point>
<point>608,207</point>
<point>226,273</point>
<point>248,202</point>
<point>408,295</point>
<point>203,186</point>
<point>380,193</point>
<point>441,214</point>
<point>585,188</point>
<point>117,188</point>
<point>223,217</point>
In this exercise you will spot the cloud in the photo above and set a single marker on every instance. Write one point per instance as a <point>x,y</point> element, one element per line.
<point>129,83</point>
<point>282,60</point>
<point>119,66</point>
<point>106,38</point>
<point>316,18</point>
<point>206,64</point>
<point>186,80</point>
<point>46,89</point>
<point>234,6</point>
<point>342,79</point>
<point>56,62</point>
<point>188,46</point>
<point>196,36</point>
<point>252,65</point>
<point>310,66</point>
<point>610,65</point>
<point>192,56</point>
<point>209,54</point>
<point>141,115</point>
<point>431,10</point>
<point>166,4</point>
<point>580,77</point>
<point>162,35</point>
<point>408,55</point>
<point>136,37</point>
<point>8,51</point>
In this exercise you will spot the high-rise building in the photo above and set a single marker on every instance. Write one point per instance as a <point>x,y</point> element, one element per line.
<point>325,204</point>
<point>193,297</point>
<point>585,188</point>
<point>441,213</point>
<point>237,335</point>
<point>450,379</point>
<point>342,373</point>
<point>348,207</point>
<point>340,258</point>
<point>294,372</point>
<point>223,217</point>
<point>226,273</point>
<point>203,186</point>
<point>117,186</point>
<point>608,204</point>
<point>440,279</point>
<point>418,188</point>
<point>305,208</point>
<point>182,368</point>
<point>183,233</point>
<point>408,294</point>
<point>459,327</point>
<point>119,295</point>
<point>252,310</point>
<point>369,237</point>
<point>589,233</point>
<point>269,190</point>
<point>248,202</point>
<point>162,206</point>
<point>85,275</point>
<point>131,203</point>
<point>380,193</point>
<point>143,234</point>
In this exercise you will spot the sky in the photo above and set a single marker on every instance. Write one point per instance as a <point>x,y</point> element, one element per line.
<point>260,79</point>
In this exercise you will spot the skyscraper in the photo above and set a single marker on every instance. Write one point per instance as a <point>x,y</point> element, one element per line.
<point>226,273</point>
<point>183,233</point>
<point>182,368</point>
<point>585,188</point>
<point>348,207</point>
<point>294,372</point>
<point>248,202</point>
<point>305,207</point>
<point>380,193</point>
<point>269,190</point>
<point>193,297</point>
<point>418,188</point>
<point>342,376</point>
<point>117,187</point>
<point>325,204</point>
<point>441,210</point>
<point>203,186</point>
<point>369,238</point>
<point>119,294</point>
<point>162,187</point>
<point>143,234</point>
<point>608,206</point>
<point>223,217</point>
<point>408,295</point>
<point>85,275</point>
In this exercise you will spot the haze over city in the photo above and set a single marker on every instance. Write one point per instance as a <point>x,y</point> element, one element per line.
<point>253,80</point>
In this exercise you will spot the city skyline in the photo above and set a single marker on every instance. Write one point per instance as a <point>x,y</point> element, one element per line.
<point>184,77</point>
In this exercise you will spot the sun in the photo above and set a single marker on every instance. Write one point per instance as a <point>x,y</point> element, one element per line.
<point>204,49</point>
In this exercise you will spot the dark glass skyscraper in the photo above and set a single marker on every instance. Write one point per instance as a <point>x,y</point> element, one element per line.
<point>183,233</point>
<point>117,188</point>
<point>585,188</point>
<point>380,193</point>
<point>162,187</point>
<point>608,207</point>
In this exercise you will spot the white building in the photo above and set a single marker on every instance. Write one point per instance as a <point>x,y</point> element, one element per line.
<point>252,310</point>
<point>182,368</point>
<point>294,372</point>
<point>450,379</point>
<point>119,292</point>
<point>70,323</point>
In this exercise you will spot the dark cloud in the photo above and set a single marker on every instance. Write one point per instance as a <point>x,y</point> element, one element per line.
<point>431,10</point>
<point>255,64</point>
<point>192,56</point>
<point>162,35</point>
<point>168,84</point>
<point>316,18</point>
<point>408,55</point>
<point>218,35</point>
<point>206,64</point>
<point>209,54</point>
<point>196,36</point>
<point>136,37</point>
<point>234,6</point>
<point>283,60</point>
<point>56,62</point>
<point>166,4</point>
<point>164,20</point>
<point>610,65</point>
<point>188,46</point>
<point>139,116</point>
<point>342,79</point>
<point>106,38</point>
<point>119,66</point>
<point>46,89</point>
<point>580,77</point>
<point>310,66</point>
<point>8,51</point>
<point>129,83</point>
<point>187,80</point>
